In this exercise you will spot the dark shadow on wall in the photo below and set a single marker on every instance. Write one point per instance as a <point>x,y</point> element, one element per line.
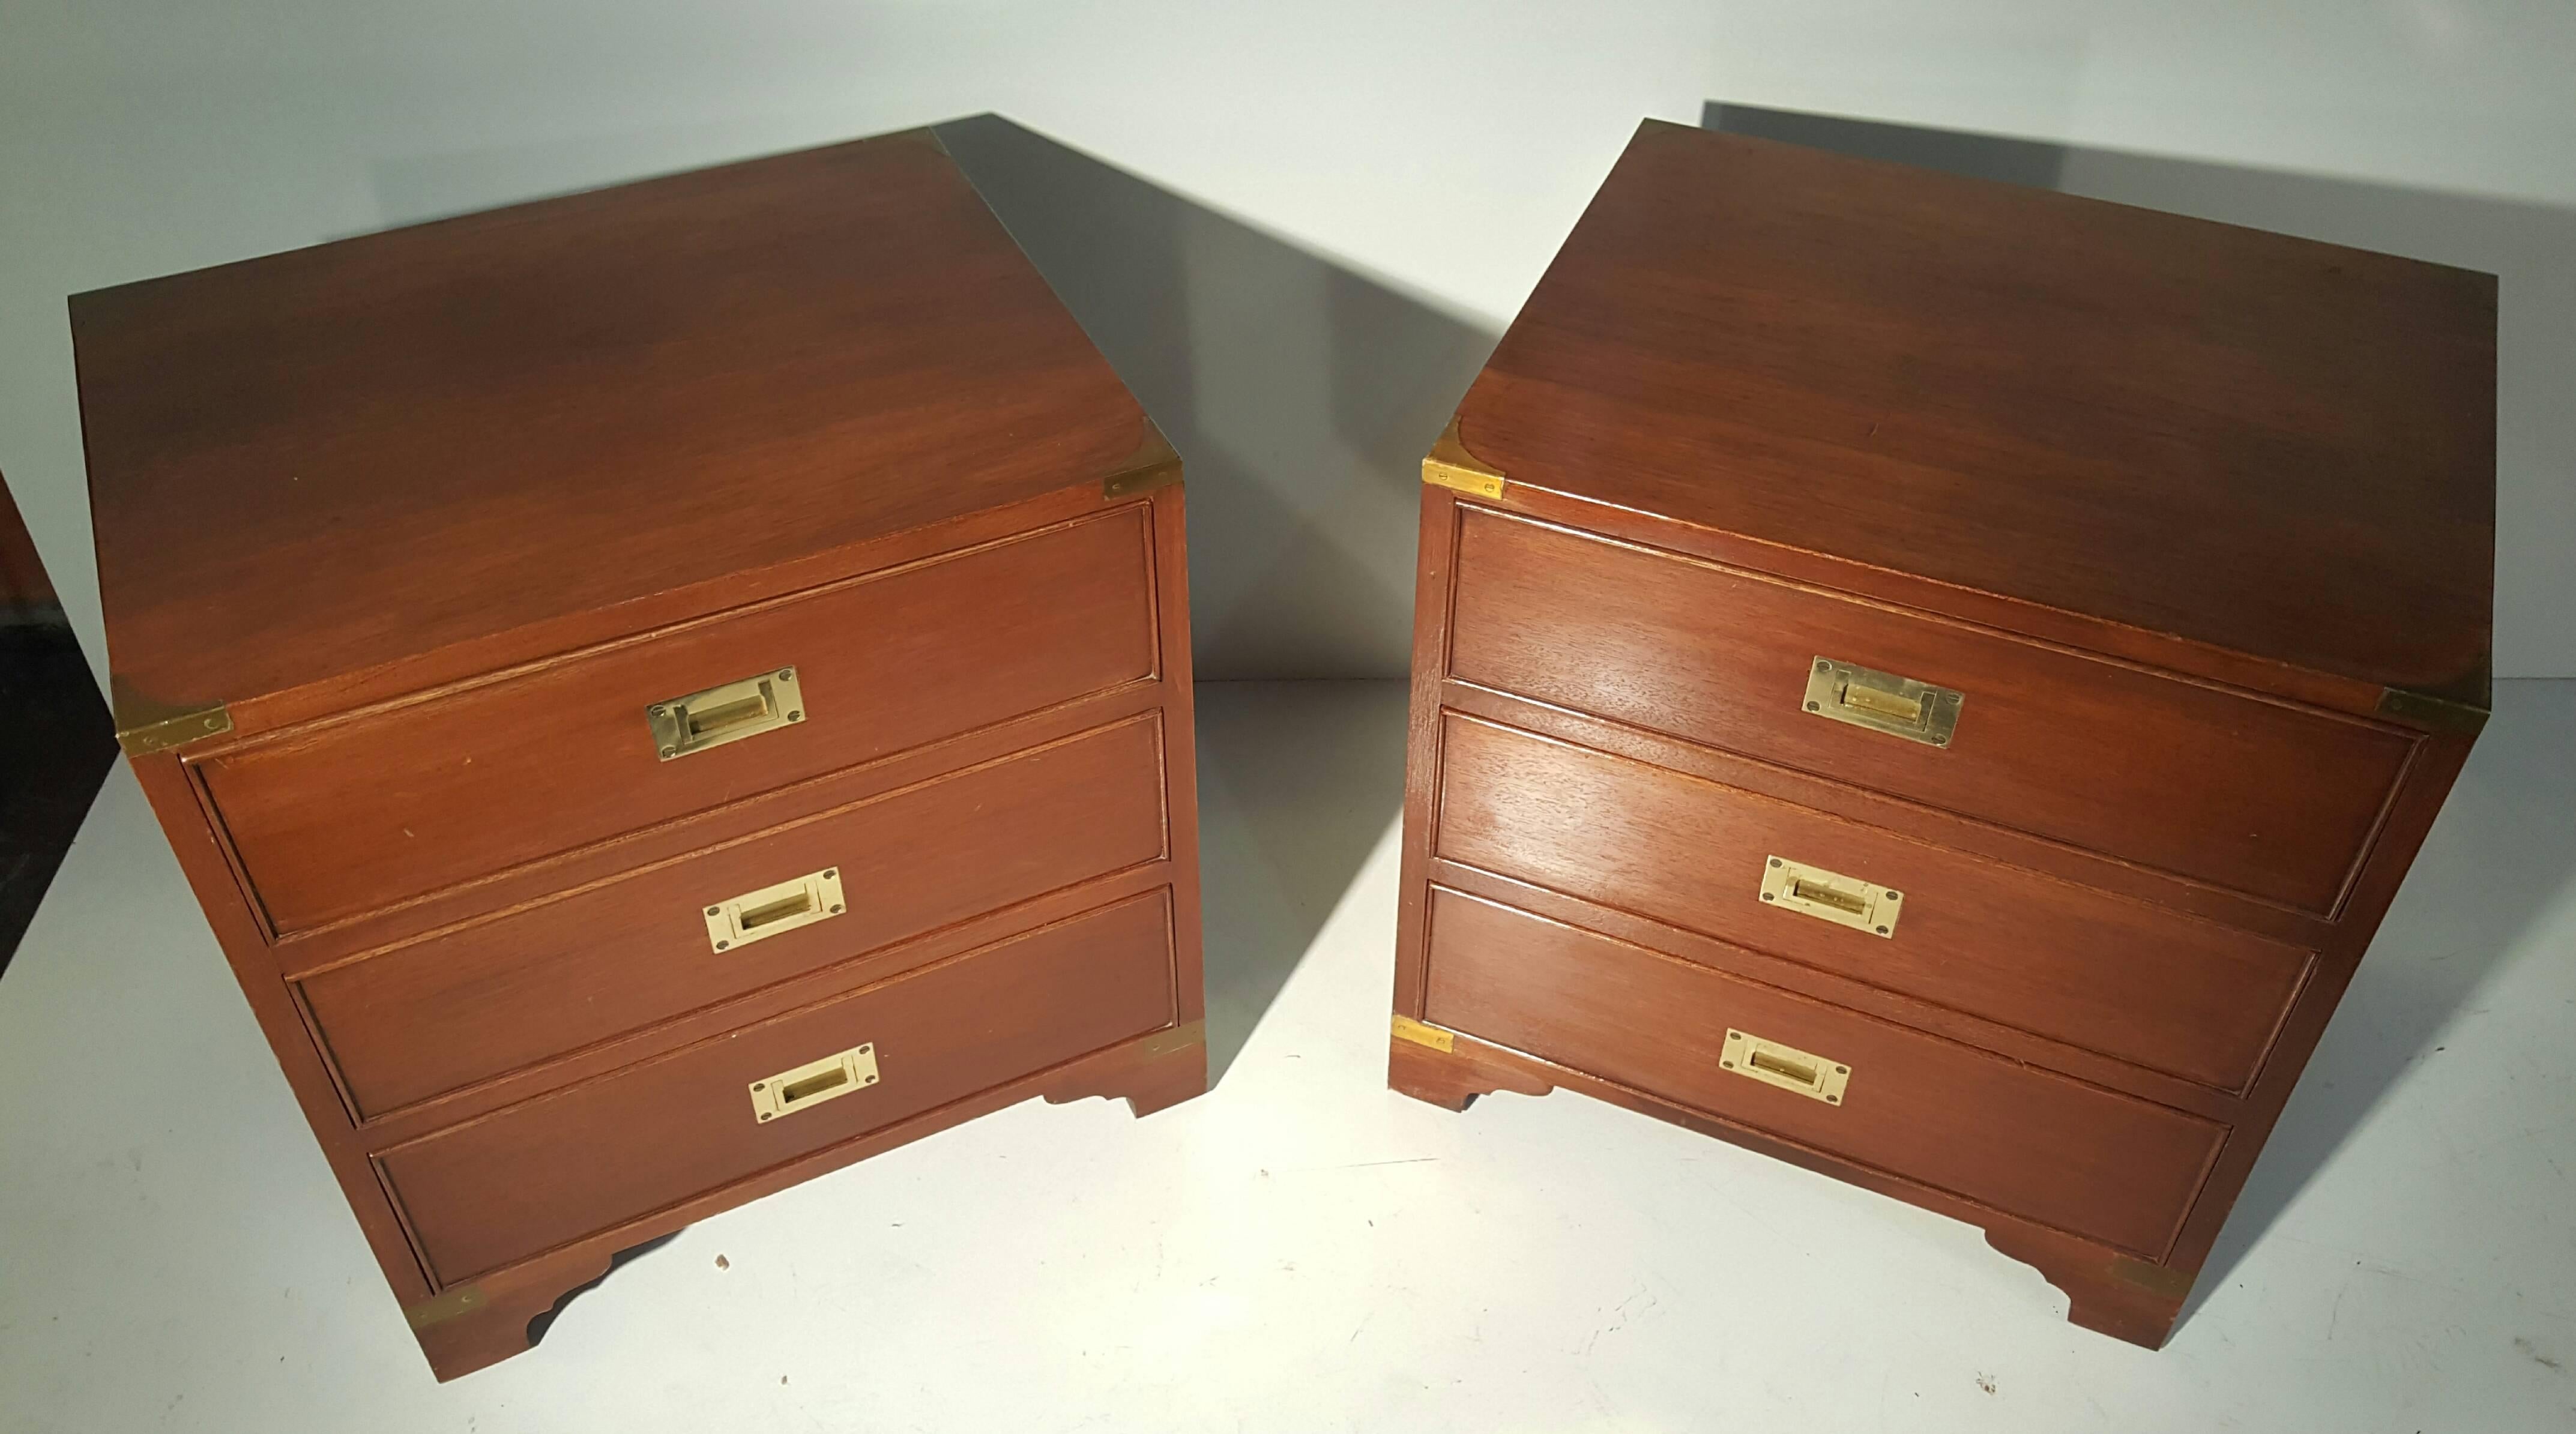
<point>2503,849</point>
<point>1301,392</point>
<point>1301,395</point>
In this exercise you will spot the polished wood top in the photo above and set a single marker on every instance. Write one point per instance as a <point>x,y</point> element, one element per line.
<point>2262,444</point>
<point>316,463</point>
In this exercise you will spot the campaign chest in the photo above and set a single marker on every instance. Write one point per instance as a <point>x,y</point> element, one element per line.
<point>661,693</point>
<point>1939,682</point>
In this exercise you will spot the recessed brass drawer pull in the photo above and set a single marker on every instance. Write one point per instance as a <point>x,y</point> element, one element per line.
<point>1831,896</point>
<point>814,1082</point>
<point>1882,702</point>
<point>1787,1067</point>
<point>729,713</point>
<point>758,915</point>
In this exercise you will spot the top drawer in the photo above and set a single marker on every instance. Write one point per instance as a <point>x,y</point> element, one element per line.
<point>357,815</point>
<point>2274,801</point>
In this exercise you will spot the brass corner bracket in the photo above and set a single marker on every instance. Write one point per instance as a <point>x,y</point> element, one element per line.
<point>1154,464</point>
<point>1175,1038</point>
<point>161,733</point>
<point>2159,1280</point>
<point>1420,1033</point>
<point>1450,465</point>
<point>444,1306</point>
<point>2438,714</point>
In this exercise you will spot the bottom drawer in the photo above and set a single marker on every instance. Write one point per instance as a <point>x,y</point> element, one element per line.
<point>2084,1160</point>
<point>594,1155</point>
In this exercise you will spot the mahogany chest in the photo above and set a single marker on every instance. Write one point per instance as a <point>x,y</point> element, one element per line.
<point>661,693</point>
<point>1939,682</point>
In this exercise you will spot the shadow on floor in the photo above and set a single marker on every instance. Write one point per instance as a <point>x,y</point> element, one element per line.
<point>540,1323</point>
<point>2501,855</point>
<point>2503,848</point>
<point>1301,395</point>
<point>1298,781</point>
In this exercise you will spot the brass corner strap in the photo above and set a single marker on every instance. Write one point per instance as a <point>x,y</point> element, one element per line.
<point>1154,464</point>
<point>144,726</point>
<point>2439,714</point>
<point>1405,1028</point>
<point>2159,1280</point>
<point>1175,1038</point>
<point>444,1306</point>
<point>1450,465</point>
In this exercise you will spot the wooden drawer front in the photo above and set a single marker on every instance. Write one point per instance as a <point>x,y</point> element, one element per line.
<point>2170,992</point>
<point>594,1155</point>
<point>2073,1156</point>
<point>361,814</point>
<point>455,1009</point>
<point>2273,801</point>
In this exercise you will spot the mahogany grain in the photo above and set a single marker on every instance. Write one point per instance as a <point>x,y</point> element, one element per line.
<point>401,536</point>
<point>379,446</point>
<point>2027,1142</point>
<point>436,1014</point>
<point>2267,444</point>
<point>2190,998</point>
<point>569,1163</point>
<point>2198,520</point>
<point>355,815</point>
<point>2242,793</point>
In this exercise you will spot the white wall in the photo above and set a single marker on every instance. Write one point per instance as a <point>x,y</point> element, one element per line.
<point>1328,209</point>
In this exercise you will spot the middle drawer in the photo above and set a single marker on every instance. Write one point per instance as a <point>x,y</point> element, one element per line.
<point>2147,985</point>
<point>454,1009</point>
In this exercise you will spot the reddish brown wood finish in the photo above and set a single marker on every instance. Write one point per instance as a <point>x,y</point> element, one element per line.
<point>2256,796</point>
<point>344,817</point>
<point>2190,998</point>
<point>2198,519</point>
<point>377,447</point>
<point>2025,394</point>
<point>425,1018</point>
<point>817,404</point>
<point>2051,1150</point>
<point>596,1155</point>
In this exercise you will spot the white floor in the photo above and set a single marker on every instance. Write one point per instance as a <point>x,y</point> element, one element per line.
<point>1302,1250</point>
